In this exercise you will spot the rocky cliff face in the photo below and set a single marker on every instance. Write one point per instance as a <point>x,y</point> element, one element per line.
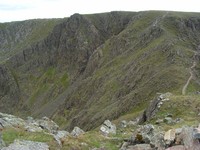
<point>88,68</point>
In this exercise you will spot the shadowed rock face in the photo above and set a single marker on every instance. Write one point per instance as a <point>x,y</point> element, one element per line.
<point>85,69</point>
<point>9,89</point>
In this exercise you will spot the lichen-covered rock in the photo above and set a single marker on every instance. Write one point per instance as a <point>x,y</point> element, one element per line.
<point>154,107</point>
<point>177,147</point>
<point>169,136</point>
<point>2,144</point>
<point>123,124</point>
<point>77,131</point>
<point>33,128</point>
<point>108,127</point>
<point>168,120</point>
<point>189,141</point>
<point>47,124</point>
<point>60,135</point>
<point>7,120</point>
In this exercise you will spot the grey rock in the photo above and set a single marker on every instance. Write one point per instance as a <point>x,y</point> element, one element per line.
<point>140,147</point>
<point>133,122</point>
<point>144,134</point>
<point>2,144</point>
<point>148,128</point>
<point>60,135</point>
<point>108,128</point>
<point>178,131</point>
<point>47,124</point>
<point>77,131</point>
<point>4,123</point>
<point>197,136</point>
<point>148,134</point>
<point>26,145</point>
<point>123,124</point>
<point>177,147</point>
<point>169,136</point>
<point>7,120</point>
<point>189,141</point>
<point>33,128</point>
<point>30,119</point>
<point>153,107</point>
<point>158,121</point>
<point>178,120</point>
<point>124,146</point>
<point>157,140</point>
<point>168,120</point>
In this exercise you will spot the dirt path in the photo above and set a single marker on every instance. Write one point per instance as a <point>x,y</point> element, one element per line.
<point>190,78</point>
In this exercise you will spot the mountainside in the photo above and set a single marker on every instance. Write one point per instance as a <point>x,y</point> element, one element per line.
<point>85,69</point>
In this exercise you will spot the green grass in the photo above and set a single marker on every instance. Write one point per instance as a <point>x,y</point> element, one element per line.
<point>185,107</point>
<point>9,135</point>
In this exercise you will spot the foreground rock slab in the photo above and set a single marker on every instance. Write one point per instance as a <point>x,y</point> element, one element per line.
<point>140,147</point>
<point>177,147</point>
<point>26,145</point>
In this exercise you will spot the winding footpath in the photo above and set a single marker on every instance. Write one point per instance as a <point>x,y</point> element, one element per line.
<point>191,76</point>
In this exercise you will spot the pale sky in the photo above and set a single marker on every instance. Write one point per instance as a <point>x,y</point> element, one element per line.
<point>15,10</point>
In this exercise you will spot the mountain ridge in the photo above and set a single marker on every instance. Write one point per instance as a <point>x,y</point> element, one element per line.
<point>92,67</point>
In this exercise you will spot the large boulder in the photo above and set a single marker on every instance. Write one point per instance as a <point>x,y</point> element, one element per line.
<point>144,134</point>
<point>47,124</point>
<point>7,120</point>
<point>33,128</point>
<point>108,127</point>
<point>169,136</point>
<point>189,141</point>
<point>148,134</point>
<point>39,125</point>
<point>26,145</point>
<point>60,135</point>
<point>154,107</point>
<point>77,131</point>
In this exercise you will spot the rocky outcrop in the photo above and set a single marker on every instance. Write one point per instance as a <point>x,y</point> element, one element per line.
<point>108,128</point>
<point>26,145</point>
<point>185,138</point>
<point>77,131</point>
<point>47,124</point>
<point>2,144</point>
<point>44,125</point>
<point>7,120</point>
<point>60,135</point>
<point>154,107</point>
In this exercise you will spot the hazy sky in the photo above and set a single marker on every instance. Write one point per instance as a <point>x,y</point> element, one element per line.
<point>12,10</point>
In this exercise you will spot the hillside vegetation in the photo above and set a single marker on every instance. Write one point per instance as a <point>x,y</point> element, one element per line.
<point>85,69</point>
